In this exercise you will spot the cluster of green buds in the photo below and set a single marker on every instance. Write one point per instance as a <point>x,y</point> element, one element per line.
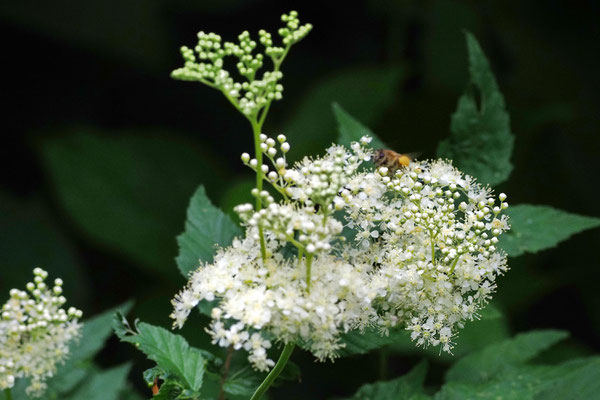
<point>205,64</point>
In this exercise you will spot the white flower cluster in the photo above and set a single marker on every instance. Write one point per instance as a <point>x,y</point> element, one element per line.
<point>423,256</point>
<point>206,65</point>
<point>35,333</point>
<point>437,260</point>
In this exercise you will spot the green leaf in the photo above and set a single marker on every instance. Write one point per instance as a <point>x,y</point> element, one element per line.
<point>409,386</point>
<point>127,192</point>
<point>576,379</point>
<point>484,364</point>
<point>78,365</point>
<point>171,352</point>
<point>168,391</point>
<point>102,385</point>
<point>351,130</point>
<point>206,226</point>
<point>364,92</point>
<point>535,228</point>
<point>361,343</point>
<point>580,377</point>
<point>481,142</point>
<point>491,328</point>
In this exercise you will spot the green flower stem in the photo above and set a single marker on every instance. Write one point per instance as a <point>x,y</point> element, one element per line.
<point>256,130</point>
<point>283,359</point>
<point>7,394</point>
<point>454,264</point>
<point>309,258</point>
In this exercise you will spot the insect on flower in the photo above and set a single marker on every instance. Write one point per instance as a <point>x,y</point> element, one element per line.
<point>393,160</point>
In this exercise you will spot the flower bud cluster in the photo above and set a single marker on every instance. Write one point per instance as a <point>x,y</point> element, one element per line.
<point>436,232</point>
<point>424,255</point>
<point>35,332</point>
<point>205,64</point>
<point>277,159</point>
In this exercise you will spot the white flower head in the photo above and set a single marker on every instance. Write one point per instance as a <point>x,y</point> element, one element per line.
<point>423,256</point>
<point>35,332</point>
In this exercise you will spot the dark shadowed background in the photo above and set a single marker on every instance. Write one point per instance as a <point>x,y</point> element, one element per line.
<point>102,150</point>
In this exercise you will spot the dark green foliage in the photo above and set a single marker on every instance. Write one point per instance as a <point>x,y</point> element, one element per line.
<point>481,365</point>
<point>110,188</point>
<point>363,92</point>
<point>409,387</point>
<point>28,222</point>
<point>351,130</point>
<point>535,228</point>
<point>206,227</point>
<point>481,142</point>
<point>170,352</point>
<point>500,371</point>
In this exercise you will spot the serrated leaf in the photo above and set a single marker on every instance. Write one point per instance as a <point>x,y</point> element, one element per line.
<point>168,391</point>
<point>128,192</point>
<point>484,364</point>
<point>351,130</point>
<point>102,385</point>
<point>205,227</point>
<point>364,92</point>
<point>407,387</point>
<point>535,228</point>
<point>171,352</point>
<point>481,142</point>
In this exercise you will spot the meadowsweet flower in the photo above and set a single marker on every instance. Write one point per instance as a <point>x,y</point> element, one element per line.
<point>437,261</point>
<point>423,254</point>
<point>35,332</point>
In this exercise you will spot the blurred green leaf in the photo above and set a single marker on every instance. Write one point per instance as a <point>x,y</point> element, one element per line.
<point>476,334</point>
<point>490,328</point>
<point>243,382</point>
<point>102,385</point>
<point>407,387</point>
<point>171,352</point>
<point>481,142</point>
<point>577,379</point>
<point>29,238</point>
<point>205,227</point>
<point>129,393</point>
<point>535,228</point>
<point>129,192</point>
<point>365,93</point>
<point>485,363</point>
<point>361,343</point>
<point>351,130</point>
<point>237,192</point>
<point>78,366</point>
<point>110,26</point>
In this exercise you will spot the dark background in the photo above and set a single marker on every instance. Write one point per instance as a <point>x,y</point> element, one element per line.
<point>102,150</point>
